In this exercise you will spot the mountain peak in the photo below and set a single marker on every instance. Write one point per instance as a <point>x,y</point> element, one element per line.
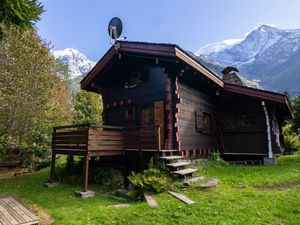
<point>265,27</point>
<point>77,63</point>
<point>267,53</point>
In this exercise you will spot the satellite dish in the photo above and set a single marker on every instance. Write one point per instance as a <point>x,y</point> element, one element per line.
<point>115,28</point>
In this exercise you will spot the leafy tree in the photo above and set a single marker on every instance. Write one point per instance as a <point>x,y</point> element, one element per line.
<point>20,13</point>
<point>87,108</point>
<point>32,97</point>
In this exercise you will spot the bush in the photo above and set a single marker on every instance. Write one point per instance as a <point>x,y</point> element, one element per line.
<point>216,156</point>
<point>34,156</point>
<point>156,179</point>
<point>291,139</point>
<point>109,177</point>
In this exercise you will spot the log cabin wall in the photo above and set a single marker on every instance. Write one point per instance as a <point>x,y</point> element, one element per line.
<point>117,98</point>
<point>191,102</point>
<point>244,125</point>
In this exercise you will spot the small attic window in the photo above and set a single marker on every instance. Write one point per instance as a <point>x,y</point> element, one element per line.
<point>203,122</point>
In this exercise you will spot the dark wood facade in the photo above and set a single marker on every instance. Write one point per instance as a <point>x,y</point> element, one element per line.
<point>201,113</point>
<point>191,107</point>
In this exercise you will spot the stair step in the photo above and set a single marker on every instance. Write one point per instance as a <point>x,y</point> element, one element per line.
<point>168,150</point>
<point>178,164</point>
<point>171,157</point>
<point>185,171</point>
<point>192,180</point>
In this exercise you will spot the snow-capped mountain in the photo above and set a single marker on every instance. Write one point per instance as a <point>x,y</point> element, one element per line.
<point>267,53</point>
<point>217,46</point>
<point>77,62</point>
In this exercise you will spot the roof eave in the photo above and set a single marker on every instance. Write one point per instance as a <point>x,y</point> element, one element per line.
<point>261,94</point>
<point>100,65</point>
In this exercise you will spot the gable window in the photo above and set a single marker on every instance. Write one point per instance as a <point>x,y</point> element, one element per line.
<point>203,122</point>
<point>129,113</point>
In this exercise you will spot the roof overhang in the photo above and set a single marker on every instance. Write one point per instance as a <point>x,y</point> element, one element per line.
<point>260,94</point>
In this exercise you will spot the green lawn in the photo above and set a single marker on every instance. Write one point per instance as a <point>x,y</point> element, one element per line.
<point>235,201</point>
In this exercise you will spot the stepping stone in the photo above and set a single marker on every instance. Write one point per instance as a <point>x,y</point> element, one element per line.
<point>51,184</point>
<point>210,183</point>
<point>184,171</point>
<point>178,164</point>
<point>182,198</point>
<point>172,157</point>
<point>84,194</point>
<point>151,201</point>
<point>192,180</point>
<point>118,206</point>
<point>114,197</point>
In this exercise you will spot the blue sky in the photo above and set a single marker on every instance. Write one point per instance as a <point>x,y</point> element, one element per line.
<point>188,23</point>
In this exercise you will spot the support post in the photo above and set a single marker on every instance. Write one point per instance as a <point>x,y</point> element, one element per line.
<point>159,137</point>
<point>86,173</point>
<point>52,173</point>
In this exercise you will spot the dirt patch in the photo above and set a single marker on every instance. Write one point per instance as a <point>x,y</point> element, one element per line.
<point>279,186</point>
<point>7,172</point>
<point>44,217</point>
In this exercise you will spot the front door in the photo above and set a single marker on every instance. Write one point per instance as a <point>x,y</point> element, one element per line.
<point>152,118</point>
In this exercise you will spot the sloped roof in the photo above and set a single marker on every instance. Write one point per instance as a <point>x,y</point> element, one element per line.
<point>175,52</point>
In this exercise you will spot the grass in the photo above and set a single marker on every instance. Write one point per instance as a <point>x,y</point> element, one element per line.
<point>235,201</point>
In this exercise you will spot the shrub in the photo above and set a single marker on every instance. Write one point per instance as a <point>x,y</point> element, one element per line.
<point>156,179</point>
<point>109,177</point>
<point>291,139</point>
<point>215,156</point>
<point>34,156</point>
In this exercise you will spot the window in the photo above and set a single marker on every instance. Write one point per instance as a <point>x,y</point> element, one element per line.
<point>129,113</point>
<point>246,120</point>
<point>203,122</point>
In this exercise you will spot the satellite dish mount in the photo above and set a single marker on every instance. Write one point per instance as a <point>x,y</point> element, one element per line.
<point>115,28</point>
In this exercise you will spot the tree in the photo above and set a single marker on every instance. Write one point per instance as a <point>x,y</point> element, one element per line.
<point>32,97</point>
<point>87,108</point>
<point>20,13</point>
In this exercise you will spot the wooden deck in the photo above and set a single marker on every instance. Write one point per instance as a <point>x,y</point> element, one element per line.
<point>102,140</point>
<point>90,140</point>
<point>13,213</point>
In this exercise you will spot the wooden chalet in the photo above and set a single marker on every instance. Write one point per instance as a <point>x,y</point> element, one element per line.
<point>157,97</point>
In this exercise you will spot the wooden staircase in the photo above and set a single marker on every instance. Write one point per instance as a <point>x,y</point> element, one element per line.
<point>173,161</point>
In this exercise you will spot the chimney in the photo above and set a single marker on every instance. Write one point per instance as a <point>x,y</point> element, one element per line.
<point>231,76</point>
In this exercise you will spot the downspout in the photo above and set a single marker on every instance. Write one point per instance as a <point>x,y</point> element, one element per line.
<point>270,153</point>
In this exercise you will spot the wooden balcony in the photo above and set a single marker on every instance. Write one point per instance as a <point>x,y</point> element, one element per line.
<point>103,140</point>
<point>90,140</point>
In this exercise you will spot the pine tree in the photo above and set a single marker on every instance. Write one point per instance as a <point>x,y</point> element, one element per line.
<point>22,14</point>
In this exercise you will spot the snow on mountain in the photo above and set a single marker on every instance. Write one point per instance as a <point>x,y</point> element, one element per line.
<point>217,46</point>
<point>267,53</point>
<point>77,62</point>
<point>245,51</point>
